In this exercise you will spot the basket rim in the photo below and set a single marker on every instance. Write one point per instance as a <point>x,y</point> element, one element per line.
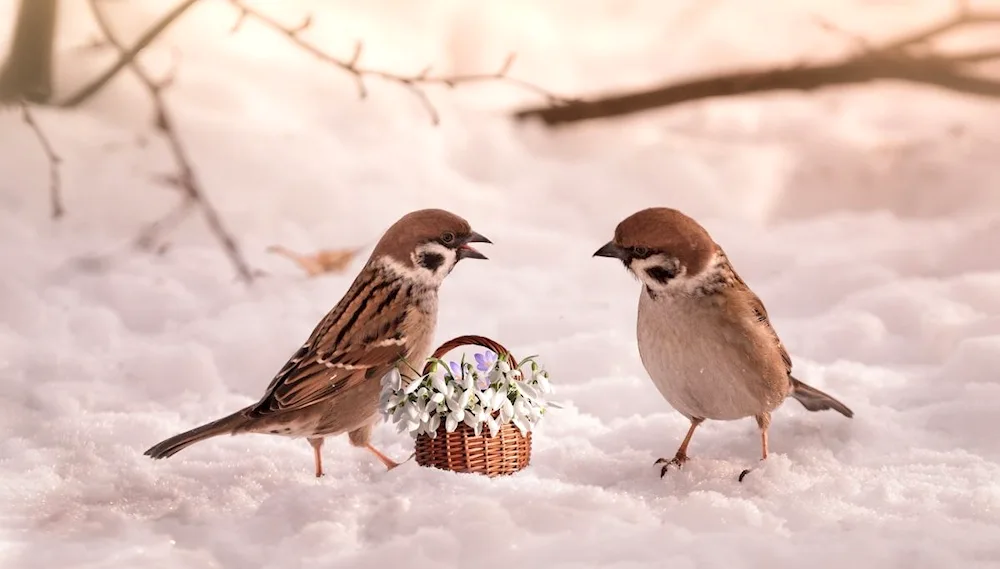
<point>467,340</point>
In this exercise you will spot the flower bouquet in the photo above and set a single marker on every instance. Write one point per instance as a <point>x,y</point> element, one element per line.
<point>469,417</point>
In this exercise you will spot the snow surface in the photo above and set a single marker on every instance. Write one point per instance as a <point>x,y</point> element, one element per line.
<point>867,220</point>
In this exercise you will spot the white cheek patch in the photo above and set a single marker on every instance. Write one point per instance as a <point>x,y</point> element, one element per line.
<point>417,272</point>
<point>639,267</point>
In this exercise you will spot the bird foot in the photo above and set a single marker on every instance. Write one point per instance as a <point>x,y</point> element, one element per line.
<point>392,464</point>
<point>677,461</point>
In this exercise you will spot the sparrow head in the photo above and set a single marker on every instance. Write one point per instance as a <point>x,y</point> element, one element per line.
<point>661,247</point>
<point>427,244</point>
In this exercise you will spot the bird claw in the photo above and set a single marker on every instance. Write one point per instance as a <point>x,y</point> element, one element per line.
<point>748,471</point>
<point>676,461</point>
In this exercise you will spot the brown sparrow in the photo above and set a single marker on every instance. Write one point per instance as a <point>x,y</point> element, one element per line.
<point>704,336</point>
<point>331,384</point>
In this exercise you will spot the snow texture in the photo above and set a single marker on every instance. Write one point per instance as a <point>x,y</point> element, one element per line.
<point>867,219</point>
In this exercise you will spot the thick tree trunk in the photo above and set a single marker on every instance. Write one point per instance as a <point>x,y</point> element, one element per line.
<point>27,74</point>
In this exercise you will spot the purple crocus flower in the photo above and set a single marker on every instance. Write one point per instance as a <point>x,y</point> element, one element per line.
<point>485,360</point>
<point>456,369</point>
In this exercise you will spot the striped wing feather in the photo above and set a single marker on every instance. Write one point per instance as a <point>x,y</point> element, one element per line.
<point>359,340</point>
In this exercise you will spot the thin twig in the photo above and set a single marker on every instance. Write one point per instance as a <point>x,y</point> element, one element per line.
<point>412,83</point>
<point>126,56</point>
<point>901,59</point>
<point>185,178</point>
<point>55,183</point>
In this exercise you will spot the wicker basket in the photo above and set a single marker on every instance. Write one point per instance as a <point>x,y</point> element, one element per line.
<point>462,450</point>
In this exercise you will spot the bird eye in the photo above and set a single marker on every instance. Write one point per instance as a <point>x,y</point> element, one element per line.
<point>640,251</point>
<point>448,237</point>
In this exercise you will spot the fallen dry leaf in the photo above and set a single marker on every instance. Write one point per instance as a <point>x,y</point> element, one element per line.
<point>323,261</point>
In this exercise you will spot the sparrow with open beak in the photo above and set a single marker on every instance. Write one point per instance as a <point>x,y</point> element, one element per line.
<point>387,318</point>
<point>704,336</point>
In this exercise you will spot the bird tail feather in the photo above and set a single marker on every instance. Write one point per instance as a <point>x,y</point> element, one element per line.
<point>815,400</point>
<point>169,447</point>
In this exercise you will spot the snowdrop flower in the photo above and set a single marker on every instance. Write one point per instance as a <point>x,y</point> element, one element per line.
<point>392,381</point>
<point>462,392</point>
<point>492,425</point>
<point>541,379</point>
<point>413,386</point>
<point>438,383</point>
<point>528,390</point>
<point>498,398</point>
<point>464,398</point>
<point>450,423</point>
<point>506,411</point>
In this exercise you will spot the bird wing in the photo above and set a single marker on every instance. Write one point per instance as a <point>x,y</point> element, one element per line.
<point>760,314</point>
<point>359,340</point>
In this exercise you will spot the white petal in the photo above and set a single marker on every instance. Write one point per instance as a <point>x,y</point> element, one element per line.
<point>507,407</point>
<point>503,366</point>
<point>470,420</point>
<point>506,412</point>
<point>543,384</point>
<point>413,386</point>
<point>438,383</point>
<point>493,426</point>
<point>392,379</point>
<point>478,428</point>
<point>412,412</point>
<point>498,398</point>
<point>463,400</point>
<point>438,398</point>
<point>434,423</point>
<point>528,390</point>
<point>459,414</point>
<point>450,424</point>
<point>398,413</point>
<point>521,425</point>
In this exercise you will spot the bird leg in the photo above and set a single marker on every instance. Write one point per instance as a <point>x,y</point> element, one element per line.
<point>317,443</point>
<point>681,457</point>
<point>388,462</point>
<point>763,422</point>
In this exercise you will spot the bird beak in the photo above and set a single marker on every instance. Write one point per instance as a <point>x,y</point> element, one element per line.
<point>610,250</point>
<point>466,252</point>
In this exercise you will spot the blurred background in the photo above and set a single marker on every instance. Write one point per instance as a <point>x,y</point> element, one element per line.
<point>278,138</point>
<point>158,156</point>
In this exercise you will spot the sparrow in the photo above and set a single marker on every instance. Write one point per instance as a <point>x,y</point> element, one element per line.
<point>386,319</point>
<point>704,337</point>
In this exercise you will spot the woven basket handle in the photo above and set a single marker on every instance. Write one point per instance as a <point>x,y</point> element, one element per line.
<point>468,341</point>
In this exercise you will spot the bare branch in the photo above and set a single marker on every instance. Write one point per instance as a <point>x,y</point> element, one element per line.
<point>185,178</point>
<point>126,56</point>
<point>898,60</point>
<point>55,184</point>
<point>413,83</point>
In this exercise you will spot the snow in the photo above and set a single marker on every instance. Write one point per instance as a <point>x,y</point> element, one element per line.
<point>866,219</point>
